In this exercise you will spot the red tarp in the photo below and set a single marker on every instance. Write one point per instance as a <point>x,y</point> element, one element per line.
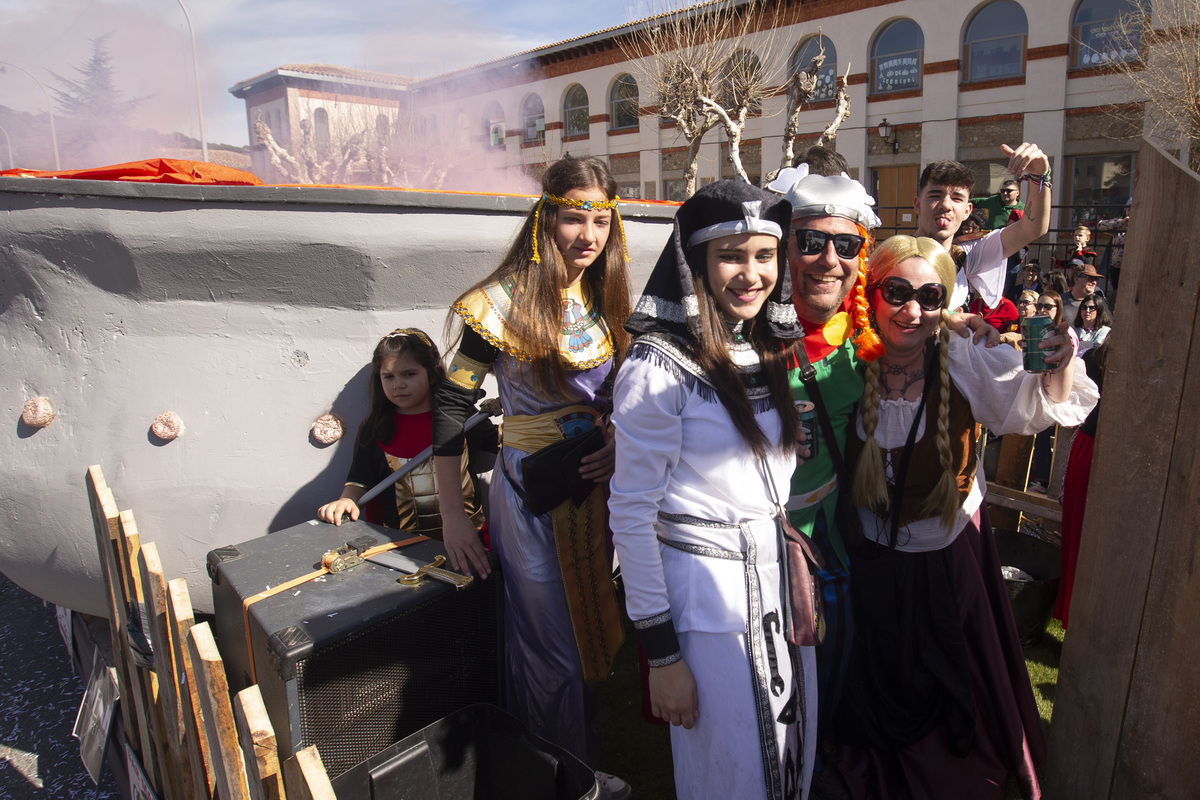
<point>152,170</point>
<point>175,170</point>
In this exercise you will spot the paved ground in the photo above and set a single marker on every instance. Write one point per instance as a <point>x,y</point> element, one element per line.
<point>39,697</point>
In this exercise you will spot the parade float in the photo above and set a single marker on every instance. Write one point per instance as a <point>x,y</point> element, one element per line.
<point>187,338</point>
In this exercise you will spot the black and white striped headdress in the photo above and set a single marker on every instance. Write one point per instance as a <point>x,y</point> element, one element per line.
<point>725,208</point>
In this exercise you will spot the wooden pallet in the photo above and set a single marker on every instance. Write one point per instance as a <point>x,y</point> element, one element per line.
<point>193,741</point>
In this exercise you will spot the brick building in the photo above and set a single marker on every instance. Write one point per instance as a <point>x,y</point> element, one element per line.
<point>949,79</point>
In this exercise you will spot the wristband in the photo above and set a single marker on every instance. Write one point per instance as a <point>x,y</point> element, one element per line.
<point>1043,180</point>
<point>658,639</point>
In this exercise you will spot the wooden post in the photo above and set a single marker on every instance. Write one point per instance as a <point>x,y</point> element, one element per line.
<point>305,776</point>
<point>105,520</point>
<point>219,726</point>
<point>154,586</point>
<point>258,745</point>
<point>180,621</point>
<point>1127,711</point>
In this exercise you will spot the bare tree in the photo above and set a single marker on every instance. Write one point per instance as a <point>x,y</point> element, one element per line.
<point>699,65</point>
<point>841,110</point>
<point>359,153</point>
<point>1154,52</point>
<point>801,86</point>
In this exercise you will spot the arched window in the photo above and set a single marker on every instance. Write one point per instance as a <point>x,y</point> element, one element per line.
<point>897,56</point>
<point>827,77</point>
<point>994,46</point>
<point>743,80</point>
<point>1099,35</point>
<point>493,125</point>
<point>576,111</point>
<point>533,120</point>
<point>623,102</point>
<point>321,132</point>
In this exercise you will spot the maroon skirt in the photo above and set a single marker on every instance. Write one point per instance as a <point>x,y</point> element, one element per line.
<point>942,705</point>
<point>1075,487</point>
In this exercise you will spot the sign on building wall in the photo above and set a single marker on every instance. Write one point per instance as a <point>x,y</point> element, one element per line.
<point>898,73</point>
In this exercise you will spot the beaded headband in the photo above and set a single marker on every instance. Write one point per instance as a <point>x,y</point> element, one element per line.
<point>583,205</point>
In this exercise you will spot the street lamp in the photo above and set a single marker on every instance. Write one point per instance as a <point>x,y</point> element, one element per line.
<point>885,133</point>
<point>196,79</point>
<point>11,164</point>
<point>49,107</point>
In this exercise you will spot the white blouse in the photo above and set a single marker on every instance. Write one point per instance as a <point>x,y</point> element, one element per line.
<point>1004,399</point>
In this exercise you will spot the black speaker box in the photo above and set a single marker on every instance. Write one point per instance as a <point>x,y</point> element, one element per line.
<point>352,661</point>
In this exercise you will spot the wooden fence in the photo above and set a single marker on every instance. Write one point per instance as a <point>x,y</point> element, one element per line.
<point>1127,709</point>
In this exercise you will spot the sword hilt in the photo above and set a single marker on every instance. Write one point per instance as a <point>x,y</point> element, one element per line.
<point>433,570</point>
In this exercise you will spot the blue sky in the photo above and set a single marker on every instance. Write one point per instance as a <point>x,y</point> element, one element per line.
<point>238,39</point>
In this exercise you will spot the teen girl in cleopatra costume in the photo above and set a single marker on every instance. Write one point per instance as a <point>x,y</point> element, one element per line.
<point>549,323</point>
<point>938,702</point>
<point>706,443</point>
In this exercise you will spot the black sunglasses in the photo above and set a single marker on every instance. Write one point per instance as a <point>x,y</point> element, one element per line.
<point>1088,308</point>
<point>846,245</point>
<point>1045,306</point>
<point>897,292</point>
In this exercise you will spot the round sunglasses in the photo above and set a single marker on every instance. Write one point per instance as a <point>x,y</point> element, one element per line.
<point>897,292</point>
<point>846,245</point>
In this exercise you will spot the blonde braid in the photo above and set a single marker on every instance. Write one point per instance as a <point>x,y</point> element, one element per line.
<point>943,500</point>
<point>870,481</point>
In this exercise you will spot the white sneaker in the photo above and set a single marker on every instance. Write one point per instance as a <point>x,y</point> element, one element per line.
<point>612,787</point>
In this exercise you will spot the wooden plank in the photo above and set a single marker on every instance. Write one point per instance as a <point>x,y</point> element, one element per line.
<point>106,522</point>
<point>1130,527</point>
<point>305,776</point>
<point>257,736</point>
<point>1012,471</point>
<point>228,767</point>
<point>145,689</point>
<point>154,587</point>
<point>180,620</point>
<point>1035,505</point>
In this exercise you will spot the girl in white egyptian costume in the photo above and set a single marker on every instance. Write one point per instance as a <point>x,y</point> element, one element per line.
<point>706,444</point>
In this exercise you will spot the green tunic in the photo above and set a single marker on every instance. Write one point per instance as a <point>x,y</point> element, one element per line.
<point>839,376</point>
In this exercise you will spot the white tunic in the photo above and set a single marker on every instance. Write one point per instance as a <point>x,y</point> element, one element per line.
<point>679,457</point>
<point>985,270</point>
<point>1004,399</point>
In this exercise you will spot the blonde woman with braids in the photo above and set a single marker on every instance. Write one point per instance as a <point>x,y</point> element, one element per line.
<point>549,322</point>
<point>938,703</point>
